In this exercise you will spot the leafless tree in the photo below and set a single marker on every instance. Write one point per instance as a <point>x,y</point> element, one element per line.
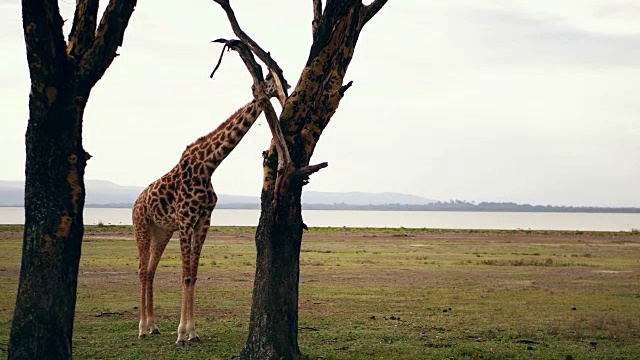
<point>273,329</point>
<point>62,76</point>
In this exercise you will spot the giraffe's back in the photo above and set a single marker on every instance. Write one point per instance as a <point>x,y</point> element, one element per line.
<point>156,205</point>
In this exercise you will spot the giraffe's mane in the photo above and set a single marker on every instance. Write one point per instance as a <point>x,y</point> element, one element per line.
<point>207,137</point>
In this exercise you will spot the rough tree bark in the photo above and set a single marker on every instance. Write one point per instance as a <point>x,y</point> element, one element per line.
<point>62,76</point>
<point>273,328</point>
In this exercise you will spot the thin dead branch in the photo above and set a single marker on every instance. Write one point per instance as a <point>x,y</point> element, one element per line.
<point>344,88</point>
<point>284,179</point>
<point>305,172</point>
<point>266,58</point>
<point>108,37</point>
<point>317,16</point>
<point>111,313</point>
<point>285,166</point>
<point>373,8</point>
<point>84,27</point>
<point>308,328</point>
<point>225,47</point>
<point>286,170</point>
<point>284,159</point>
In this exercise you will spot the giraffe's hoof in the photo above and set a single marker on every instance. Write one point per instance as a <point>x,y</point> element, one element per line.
<point>142,336</point>
<point>195,339</point>
<point>181,343</point>
<point>155,332</point>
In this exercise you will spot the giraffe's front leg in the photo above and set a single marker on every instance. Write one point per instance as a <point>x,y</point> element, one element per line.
<point>147,320</point>
<point>196,247</point>
<point>185,249</point>
<point>142,325</point>
<point>191,324</point>
<point>187,327</point>
<point>182,327</point>
<point>151,323</point>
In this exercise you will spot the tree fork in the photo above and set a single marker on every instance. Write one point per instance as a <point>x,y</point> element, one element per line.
<point>260,95</point>
<point>62,76</point>
<point>285,167</point>
<point>273,328</point>
<point>273,66</point>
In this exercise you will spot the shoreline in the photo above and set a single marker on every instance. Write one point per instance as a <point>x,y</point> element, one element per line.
<point>96,230</point>
<point>468,208</point>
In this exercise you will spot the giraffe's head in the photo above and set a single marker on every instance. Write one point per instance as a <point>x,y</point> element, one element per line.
<point>271,89</point>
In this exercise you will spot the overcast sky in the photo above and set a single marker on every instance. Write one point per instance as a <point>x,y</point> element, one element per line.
<point>526,101</point>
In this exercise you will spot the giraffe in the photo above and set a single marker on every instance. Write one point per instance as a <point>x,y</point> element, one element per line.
<point>182,200</point>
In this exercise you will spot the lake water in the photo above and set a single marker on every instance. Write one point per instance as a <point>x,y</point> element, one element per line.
<point>407,219</point>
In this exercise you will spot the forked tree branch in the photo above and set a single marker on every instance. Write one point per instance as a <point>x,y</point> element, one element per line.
<point>332,12</point>
<point>284,159</point>
<point>273,328</point>
<point>83,29</point>
<point>317,16</point>
<point>273,66</point>
<point>42,25</point>
<point>322,87</point>
<point>373,8</point>
<point>286,170</point>
<point>109,36</point>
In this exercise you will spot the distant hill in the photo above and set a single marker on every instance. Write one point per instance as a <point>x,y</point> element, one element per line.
<point>101,193</point>
<point>106,193</point>
<point>362,198</point>
<point>462,206</point>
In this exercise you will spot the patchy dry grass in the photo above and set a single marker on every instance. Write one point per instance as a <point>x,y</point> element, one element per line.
<point>371,293</point>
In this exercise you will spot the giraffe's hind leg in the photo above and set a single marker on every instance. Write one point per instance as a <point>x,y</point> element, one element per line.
<point>159,240</point>
<point>199,238</point>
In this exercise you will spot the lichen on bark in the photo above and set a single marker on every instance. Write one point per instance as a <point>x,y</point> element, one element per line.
<point>306,113</point>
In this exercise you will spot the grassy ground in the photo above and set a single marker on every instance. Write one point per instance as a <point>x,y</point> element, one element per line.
<point>371,294</point>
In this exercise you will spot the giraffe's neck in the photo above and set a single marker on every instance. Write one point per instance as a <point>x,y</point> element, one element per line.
<point>214,147</point>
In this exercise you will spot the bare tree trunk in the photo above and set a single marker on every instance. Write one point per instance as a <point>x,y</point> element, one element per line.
<point>62,76</point>
<point>273,332</point>
<point>54,199</point>
<point>273,329</point>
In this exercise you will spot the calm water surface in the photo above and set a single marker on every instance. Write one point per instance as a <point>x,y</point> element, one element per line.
<point>408,219</point>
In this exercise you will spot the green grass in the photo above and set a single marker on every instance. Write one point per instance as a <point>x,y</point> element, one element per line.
<point>401,231</point>
<point>371,294</point>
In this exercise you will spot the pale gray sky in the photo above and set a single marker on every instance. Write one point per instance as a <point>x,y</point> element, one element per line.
<point>493,100</point>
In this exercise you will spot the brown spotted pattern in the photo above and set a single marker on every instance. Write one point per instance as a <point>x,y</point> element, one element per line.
<point>182,200</point>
